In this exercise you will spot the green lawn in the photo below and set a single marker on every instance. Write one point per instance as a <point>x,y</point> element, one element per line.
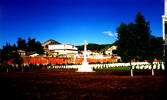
<point>115,68</point>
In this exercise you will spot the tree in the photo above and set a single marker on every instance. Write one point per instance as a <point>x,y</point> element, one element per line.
<point>39,48</point>
<point>35,46</point>
<point>155,50</point>
<point>143,36</point>
<point>149,47</point>
<point>31,45</point>
<point>21,44</point>
<point>14,47</point>
<point>17,60</point>
<point>126,41</point>
<point>8,52</point>
<point>136,42</point>
<point>134,38</point>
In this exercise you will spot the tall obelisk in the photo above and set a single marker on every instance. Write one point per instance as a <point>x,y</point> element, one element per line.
<point>85,67</point>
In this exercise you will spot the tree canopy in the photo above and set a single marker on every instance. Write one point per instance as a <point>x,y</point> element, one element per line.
<point>136,42</point>
<point>11,51</point>
<point>126,43</point>
<point>31,46</point>
<point>21,44</point>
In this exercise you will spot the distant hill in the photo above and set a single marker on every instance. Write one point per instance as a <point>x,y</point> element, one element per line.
<point>53,42</point>
<point>96,47</point>
<point>45,44</point>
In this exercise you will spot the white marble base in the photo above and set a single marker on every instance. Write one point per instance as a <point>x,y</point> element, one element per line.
<point>85,68</point>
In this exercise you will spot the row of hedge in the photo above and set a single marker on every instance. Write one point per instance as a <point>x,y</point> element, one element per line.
<point>14,68</point>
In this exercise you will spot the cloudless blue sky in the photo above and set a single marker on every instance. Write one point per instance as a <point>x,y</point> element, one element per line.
<point>73,21</point>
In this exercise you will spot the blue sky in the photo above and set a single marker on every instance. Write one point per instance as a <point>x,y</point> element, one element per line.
<point>73,21</point>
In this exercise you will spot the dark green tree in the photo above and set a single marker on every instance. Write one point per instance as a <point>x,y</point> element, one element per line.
<point>14,47</point>
<point>149,47</point>
<point>155,50</point>
<point>31,44</point>
<point>143,35</point>
<point>17,60</point>
<point>136,42</point>
<point>21,44</point>
<point>126,42</point>
<point>35,46</point>
<point>8,52</point>
<point>39,48</point>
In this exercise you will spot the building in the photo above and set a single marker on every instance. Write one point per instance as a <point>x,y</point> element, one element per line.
<point>33,55</point>
<point>45,46</point>
<point>21,53</point>
<point>63,49</point>
<point>164,21</point>
<point>111,51</point>
<point>164,26</point>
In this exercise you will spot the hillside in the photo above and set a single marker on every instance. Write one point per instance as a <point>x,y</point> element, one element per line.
<point>96,47</point>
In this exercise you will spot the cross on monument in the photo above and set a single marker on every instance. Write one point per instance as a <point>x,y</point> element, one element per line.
<point>85,65</point>
<point>85,50</point>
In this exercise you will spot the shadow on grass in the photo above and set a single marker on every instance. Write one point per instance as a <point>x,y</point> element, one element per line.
<point>135,73</point>
<point>121,73</point>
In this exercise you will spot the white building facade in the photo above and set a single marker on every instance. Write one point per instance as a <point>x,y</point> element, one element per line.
<point>63,49</point>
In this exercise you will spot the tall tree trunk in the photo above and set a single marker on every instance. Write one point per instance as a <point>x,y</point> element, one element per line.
<point>152,72</point>
<point>152,69</point>
<point>131,70</point>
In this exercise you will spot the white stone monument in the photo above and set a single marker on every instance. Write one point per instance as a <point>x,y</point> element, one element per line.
<point>85,66</point>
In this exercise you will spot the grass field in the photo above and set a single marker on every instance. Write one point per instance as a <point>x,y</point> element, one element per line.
<point>116,68</point>
<point>66,84</point>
